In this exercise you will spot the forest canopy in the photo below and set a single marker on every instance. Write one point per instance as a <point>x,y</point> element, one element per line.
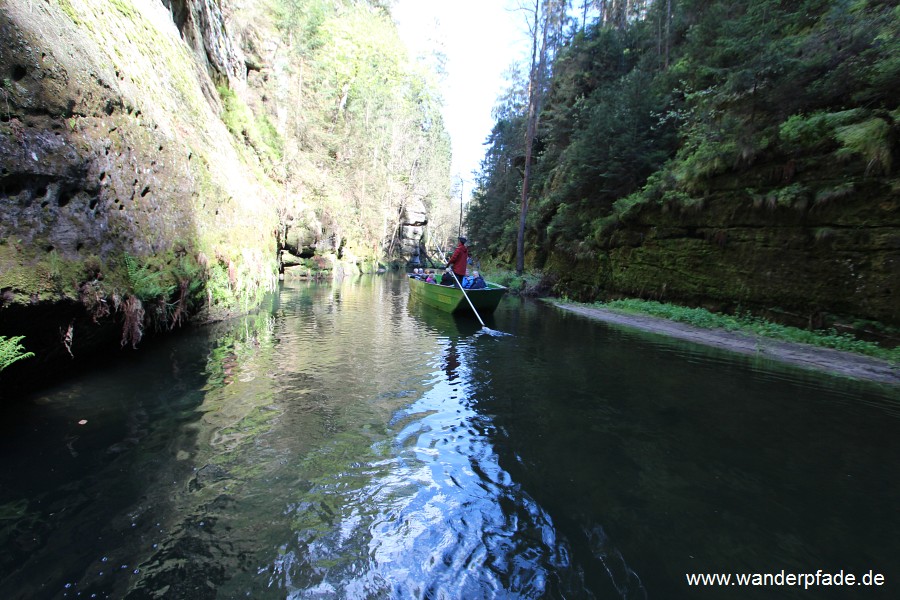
<point>649,102</point>
<point>366,135</point>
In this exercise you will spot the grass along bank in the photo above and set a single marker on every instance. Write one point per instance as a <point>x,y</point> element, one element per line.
<point>529,283</point>
<point>748,324</point>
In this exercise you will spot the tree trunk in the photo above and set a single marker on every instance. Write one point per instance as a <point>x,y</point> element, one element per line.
<point>668,29</point>
<point>533,92</point>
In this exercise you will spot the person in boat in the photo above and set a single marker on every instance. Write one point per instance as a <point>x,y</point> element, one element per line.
<point>466,281</point>
<point>447,278</point>
<point>459,260</point>
<point>477,281</point>
<point>429,277</point>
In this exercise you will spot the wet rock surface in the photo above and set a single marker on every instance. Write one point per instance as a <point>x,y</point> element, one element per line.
<point>111,148</point>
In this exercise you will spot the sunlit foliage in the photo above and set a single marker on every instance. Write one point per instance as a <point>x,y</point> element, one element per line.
<point>12,350</point>
<point>650,105</point>
<point>366,135</point>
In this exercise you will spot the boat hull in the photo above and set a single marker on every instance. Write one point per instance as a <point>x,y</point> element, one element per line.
<point>451,299</point>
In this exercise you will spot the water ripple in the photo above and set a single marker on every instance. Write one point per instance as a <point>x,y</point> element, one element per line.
<point>345,445</point>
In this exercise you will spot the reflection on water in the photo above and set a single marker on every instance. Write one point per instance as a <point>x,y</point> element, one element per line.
<point>344,444</point>
<point>440,513</point>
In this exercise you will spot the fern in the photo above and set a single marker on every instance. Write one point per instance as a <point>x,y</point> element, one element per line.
<point>871,140</point>
<point>146,285</point>
<point>801,131</point>
<point>11,350</point>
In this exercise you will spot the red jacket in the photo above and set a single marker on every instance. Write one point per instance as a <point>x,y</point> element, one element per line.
<point>459,260</point>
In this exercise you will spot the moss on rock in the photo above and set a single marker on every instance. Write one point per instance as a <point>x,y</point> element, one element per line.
<point>837,256</point>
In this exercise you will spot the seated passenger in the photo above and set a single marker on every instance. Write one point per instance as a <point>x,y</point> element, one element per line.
<point>429,277</point>
<point>478,281</point>
<point>467,280</point>
<point>447,279</point>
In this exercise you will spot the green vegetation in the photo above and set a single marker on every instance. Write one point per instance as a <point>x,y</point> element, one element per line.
<point>225,290</point>
<point>654,109</point>
<point>12,350</point>
<point>124,7</point>
<point>527,283</point>
<point>747,323</point>
<point>871,140</point>
<point>162,292</point>
<point>818,129</point>
<point>67,8</point>
<point>146,284</point>
<point>255,130</point>
<point>363,133</point>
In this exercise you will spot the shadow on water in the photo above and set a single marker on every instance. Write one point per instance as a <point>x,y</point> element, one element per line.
<point>695,460</point>
<point>82,463</point>
<point>344,443</point>
<point>444,324</point>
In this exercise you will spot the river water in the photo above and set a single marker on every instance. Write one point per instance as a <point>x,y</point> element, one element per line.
<point>343,443</point>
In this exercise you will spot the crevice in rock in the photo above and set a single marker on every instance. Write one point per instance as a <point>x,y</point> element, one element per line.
<point>113,105</point>
<point>14,184</point>
<point>179,12</point>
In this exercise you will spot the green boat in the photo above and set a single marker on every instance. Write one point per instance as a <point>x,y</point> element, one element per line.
<point>451,300</point>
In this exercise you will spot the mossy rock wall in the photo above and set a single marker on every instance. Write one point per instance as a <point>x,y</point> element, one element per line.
<point>828,247</point>
<point>112,146</point>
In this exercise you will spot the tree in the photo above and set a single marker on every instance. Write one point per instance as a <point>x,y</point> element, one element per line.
<point>368,137</point>
<point>658,109</point>
<point>491,218</point>
<point>548,19</point>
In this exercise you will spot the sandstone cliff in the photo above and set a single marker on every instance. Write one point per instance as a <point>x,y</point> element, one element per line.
<point>164,160</point>
<point>124,200</point>
<point>811,242</point>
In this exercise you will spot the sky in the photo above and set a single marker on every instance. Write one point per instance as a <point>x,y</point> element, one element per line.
<point>481,39</point>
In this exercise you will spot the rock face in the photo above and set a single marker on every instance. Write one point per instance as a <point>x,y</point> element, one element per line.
<point>818,248</point>
<point>162,160</point>
<point>112,146</point>
<point>202,26</point>
<point>413,220</point>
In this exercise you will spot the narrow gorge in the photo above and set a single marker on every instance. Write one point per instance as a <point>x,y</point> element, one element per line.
<point>170,160</point>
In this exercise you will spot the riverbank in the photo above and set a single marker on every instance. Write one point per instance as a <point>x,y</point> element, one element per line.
<point>847,364</point>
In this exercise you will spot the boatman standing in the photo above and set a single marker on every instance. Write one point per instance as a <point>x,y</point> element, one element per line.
<point>459,260</point>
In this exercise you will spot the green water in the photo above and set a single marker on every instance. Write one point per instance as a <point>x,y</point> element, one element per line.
<point>344,444</point>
